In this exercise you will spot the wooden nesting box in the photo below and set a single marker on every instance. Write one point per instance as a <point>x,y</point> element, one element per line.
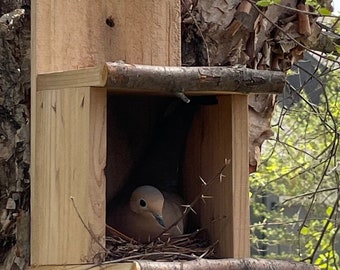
<point>69,104</point>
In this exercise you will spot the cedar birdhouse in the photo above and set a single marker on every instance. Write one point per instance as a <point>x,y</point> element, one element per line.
<point>72,79</point>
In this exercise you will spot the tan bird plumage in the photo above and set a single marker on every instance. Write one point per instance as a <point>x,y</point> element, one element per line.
<point>148,213</point>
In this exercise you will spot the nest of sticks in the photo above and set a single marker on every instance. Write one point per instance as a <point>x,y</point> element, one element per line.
<point>192,246</point>
<point>121,248</point>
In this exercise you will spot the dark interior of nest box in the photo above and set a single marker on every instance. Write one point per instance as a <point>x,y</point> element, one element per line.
<point>147,138</point>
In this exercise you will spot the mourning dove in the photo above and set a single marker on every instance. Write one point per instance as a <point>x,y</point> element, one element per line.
<point>147,214</point>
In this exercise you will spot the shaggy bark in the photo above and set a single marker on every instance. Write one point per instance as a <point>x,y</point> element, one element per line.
<point>236,32</point>
<point>14,133</point>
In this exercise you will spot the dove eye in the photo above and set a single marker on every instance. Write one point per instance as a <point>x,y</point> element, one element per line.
<point>142,203</point>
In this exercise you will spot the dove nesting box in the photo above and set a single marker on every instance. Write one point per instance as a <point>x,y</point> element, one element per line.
<point>69,124</point>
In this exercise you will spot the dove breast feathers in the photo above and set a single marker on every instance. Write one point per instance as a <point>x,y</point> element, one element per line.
<point>148,213</point>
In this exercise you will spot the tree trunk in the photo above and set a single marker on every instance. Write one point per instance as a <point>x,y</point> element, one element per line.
<point>14,133</point>
<point>237,32</point>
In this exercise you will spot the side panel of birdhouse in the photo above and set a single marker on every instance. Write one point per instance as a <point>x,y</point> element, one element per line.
<point>68,206</point>
<point>217,152</point>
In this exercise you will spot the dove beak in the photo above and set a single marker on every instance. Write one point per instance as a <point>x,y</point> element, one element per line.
<point>159,219</point>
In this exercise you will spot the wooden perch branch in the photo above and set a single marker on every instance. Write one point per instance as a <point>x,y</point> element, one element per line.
<point>226,264</point>
<point>122,78</point>
<point>193,80</point>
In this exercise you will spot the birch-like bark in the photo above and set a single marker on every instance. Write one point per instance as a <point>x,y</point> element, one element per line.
<point>193,80</point>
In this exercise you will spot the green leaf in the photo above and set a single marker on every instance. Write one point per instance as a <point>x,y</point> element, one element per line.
<point>264,3</point>
<point>312,3</point>
<point>304,231</point>
<point>329,210</point>
<point>331,57</point>
<point>337,47</point>
<point>324,11</point>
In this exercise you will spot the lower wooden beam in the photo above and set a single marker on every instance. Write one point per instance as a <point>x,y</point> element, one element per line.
<point>226,264</point>
<point>199,264</point>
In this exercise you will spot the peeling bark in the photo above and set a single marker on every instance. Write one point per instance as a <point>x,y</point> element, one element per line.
<point>14,133</point>
<point>237,32</point>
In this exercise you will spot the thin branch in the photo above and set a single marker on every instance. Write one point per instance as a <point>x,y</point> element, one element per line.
<point>324,229</point>
<point>316,14</point>
<point>121,235</point>
<point>265,224</point>
<point>307,194</point>
<point>205,186</point>
<point>147,255</point>
<point>93,236</point>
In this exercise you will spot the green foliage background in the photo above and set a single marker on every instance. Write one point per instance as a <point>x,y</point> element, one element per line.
<point>301,165</point>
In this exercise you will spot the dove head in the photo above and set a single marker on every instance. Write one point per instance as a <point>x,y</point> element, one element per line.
<point>148,201</point>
